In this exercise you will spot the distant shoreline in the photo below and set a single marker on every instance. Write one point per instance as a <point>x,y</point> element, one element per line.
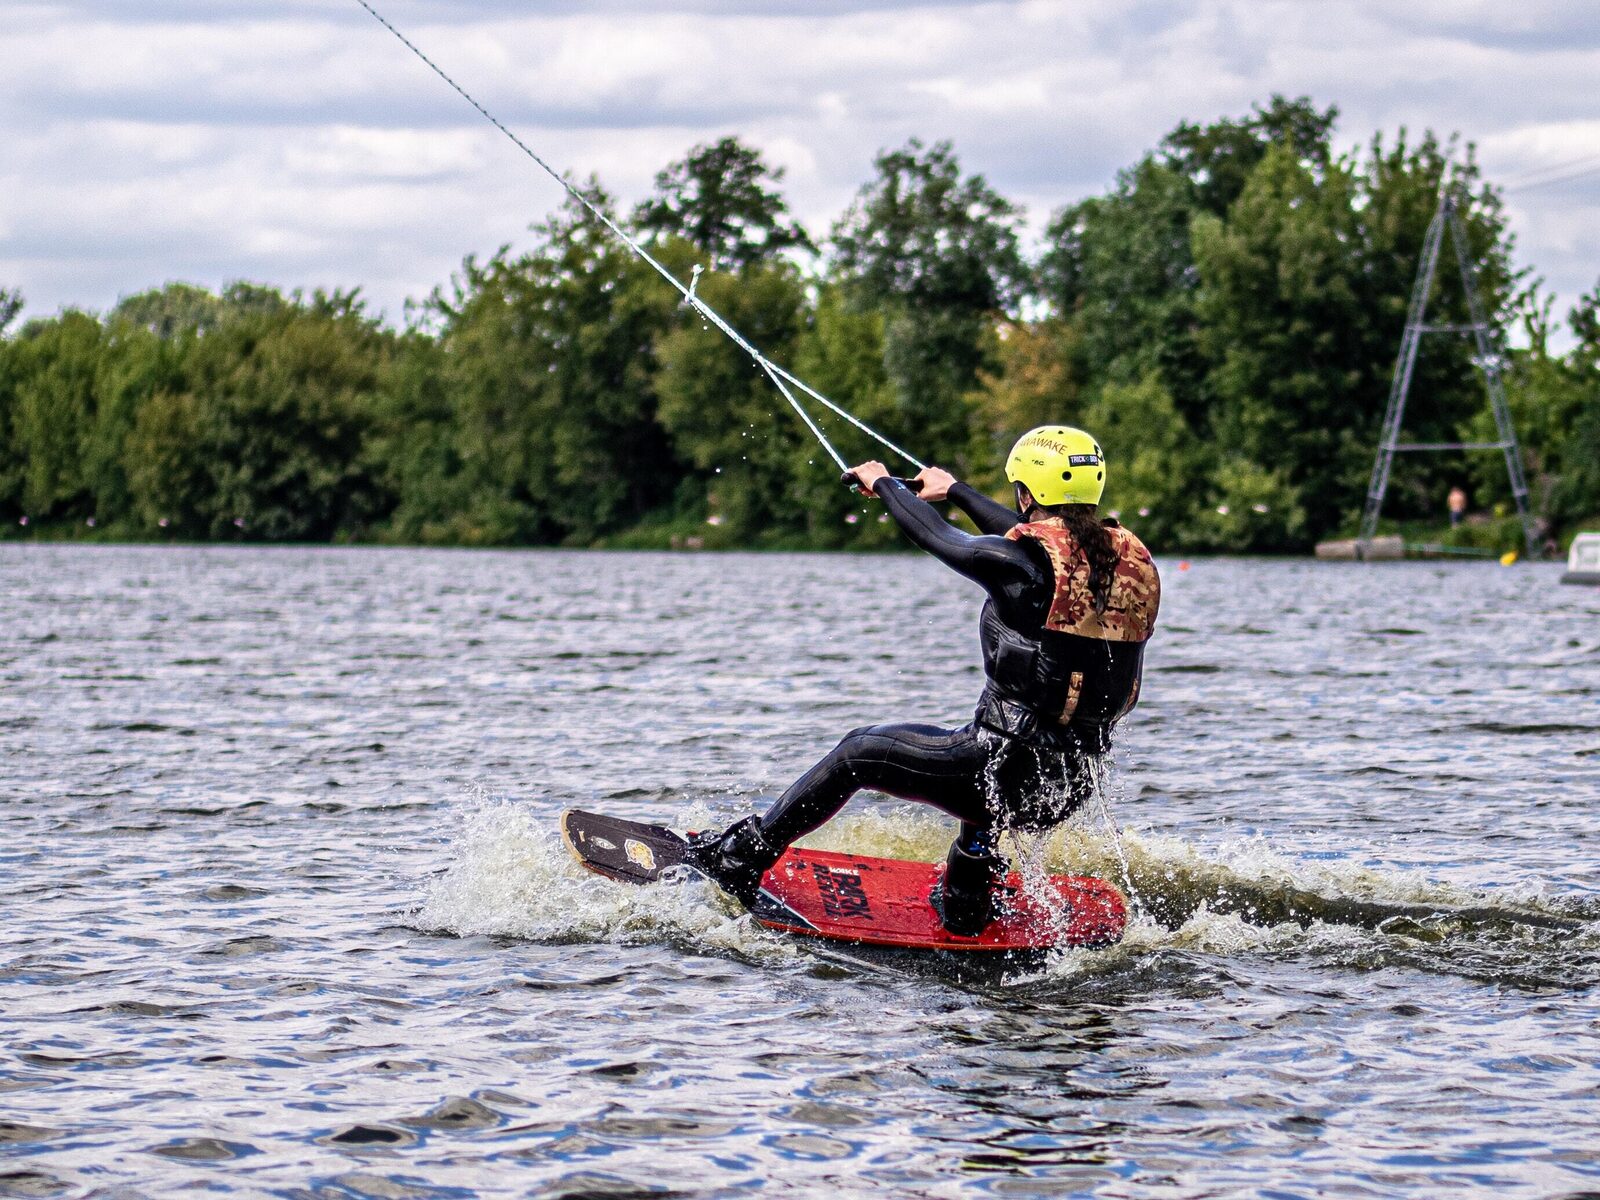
<point>1162,554</point>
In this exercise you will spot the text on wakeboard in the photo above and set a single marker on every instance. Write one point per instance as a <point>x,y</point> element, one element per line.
<point>841,892</point>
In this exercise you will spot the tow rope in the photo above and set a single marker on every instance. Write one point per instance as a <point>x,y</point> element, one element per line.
<point>781,378</point>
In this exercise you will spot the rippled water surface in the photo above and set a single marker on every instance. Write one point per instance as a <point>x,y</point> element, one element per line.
<point>285,912</point>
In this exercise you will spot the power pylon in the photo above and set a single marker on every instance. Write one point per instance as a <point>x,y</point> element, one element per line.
<point>1489,360</point>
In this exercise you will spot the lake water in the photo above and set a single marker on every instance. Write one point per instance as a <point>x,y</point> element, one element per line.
<point>285,912</point>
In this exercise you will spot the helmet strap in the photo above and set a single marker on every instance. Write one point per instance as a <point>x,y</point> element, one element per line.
<point>1023,509</point>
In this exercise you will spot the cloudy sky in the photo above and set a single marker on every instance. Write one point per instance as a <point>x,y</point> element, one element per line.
<point>295,142</point>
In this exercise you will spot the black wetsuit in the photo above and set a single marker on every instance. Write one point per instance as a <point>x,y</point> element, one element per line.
<point>985,778</point>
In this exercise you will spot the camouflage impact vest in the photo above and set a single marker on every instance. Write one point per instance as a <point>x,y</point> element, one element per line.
<point>1080,671</point>
<point>1130,614</point>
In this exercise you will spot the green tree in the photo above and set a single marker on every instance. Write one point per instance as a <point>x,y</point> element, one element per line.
<point>54,371</point>
<point>169,477</point>
<point>134,365</point>
<point>548,362</point>
<point>1218,159</point>
<point>1278,299</point>
<point>1225,318</point>
<point>1121,267</point>
<point>168,311</point>
<point>937,253</point>
<point>1555,406</point>
<point>413,450</point>
<point>840,353</point>
<point>1399,190</point>
<point>485,482</point>
<point>177,308</point>
<point>1301,304</point>
<point>1577,495</point>
<point>723,413</point>
<point>265,441</point>
<point>1249,508</point>
<point>722,198</point>
<point>11,459</point>
<point>1154,468</point>
<point>1034,382</point>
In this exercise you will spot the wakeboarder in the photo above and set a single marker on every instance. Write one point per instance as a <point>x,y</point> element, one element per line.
<point>1072,600</point>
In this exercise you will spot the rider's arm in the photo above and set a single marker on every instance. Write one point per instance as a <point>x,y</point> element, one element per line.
<point>1005,569</point>
<point>988,515</point>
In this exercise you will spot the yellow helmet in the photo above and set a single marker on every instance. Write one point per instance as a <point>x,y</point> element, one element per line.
<point>1058,465</point>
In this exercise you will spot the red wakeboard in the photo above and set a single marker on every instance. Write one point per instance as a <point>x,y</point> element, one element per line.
<point>859,898</point>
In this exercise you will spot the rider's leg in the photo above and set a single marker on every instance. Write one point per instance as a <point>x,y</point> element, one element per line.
<point>942,767</point>
<point>973,870</point>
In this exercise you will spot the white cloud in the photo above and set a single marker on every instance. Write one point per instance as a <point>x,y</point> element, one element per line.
<point>296,142</point>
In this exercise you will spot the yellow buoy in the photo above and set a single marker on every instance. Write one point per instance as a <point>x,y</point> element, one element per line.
<point>1509,557</point>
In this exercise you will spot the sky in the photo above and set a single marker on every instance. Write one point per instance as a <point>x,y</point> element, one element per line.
<point>297,143</point>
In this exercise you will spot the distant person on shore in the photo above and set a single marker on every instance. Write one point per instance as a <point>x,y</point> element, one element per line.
<point>1457,503</point>
<point>1072,599</point>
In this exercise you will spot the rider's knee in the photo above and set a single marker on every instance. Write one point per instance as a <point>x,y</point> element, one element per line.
<point>856,738</point>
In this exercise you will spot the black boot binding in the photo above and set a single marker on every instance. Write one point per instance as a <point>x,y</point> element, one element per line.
<point>735,859</point>
<point>965,899</point>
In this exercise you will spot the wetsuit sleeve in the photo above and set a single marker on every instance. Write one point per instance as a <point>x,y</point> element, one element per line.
<point>988,515</point>
<point>1005,569</point>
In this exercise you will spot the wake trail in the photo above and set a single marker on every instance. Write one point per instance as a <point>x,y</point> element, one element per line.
<point>510,876</point>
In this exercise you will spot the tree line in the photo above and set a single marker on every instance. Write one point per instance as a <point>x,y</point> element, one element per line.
<point>1225,318</point>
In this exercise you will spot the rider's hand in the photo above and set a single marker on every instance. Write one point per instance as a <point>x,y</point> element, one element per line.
<point>936,483</point>
<point>867,474</point>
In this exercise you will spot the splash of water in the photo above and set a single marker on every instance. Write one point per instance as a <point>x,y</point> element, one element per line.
<point>511,876</point>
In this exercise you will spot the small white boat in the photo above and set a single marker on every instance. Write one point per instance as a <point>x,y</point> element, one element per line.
<point>1583,560</point>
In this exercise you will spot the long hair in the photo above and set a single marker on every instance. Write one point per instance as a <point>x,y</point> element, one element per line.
<point>1083,522</point>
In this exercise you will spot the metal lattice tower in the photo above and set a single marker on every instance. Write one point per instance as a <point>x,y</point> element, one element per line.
<point>1488,359</point>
